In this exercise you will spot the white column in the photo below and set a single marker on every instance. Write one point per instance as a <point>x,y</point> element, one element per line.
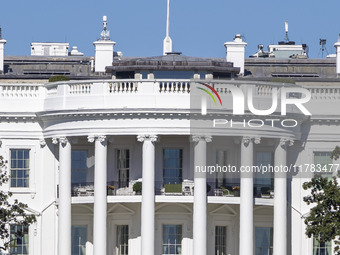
<point>2,49</point>
<point>64,205</point>
<point>247,198</point>
<point>280,200</point>
<point>200,196</point>
<point>148,194</point>
<point>100,195</point>
<point>337,46</point>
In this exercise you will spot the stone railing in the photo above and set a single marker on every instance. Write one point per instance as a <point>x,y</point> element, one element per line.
<point>20,91</point>
<point>146,94</point>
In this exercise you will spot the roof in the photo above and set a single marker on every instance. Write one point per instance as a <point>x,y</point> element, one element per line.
<point>172,62</point>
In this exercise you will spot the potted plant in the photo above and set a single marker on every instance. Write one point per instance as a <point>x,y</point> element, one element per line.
<point>236,190</point>
<point>137,187</point>
<point>110,190</point>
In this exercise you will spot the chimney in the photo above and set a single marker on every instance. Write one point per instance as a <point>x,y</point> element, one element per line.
<point>2,48</point>
<point>337,46</point>
<point>103,49</point>
<point>235,52</point>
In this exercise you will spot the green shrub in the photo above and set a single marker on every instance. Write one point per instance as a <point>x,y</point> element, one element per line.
<point>173,188</point>
<point>56,78</point>
<point>137,187</point>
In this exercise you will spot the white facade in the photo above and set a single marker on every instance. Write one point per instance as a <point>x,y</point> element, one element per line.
<point>49,49</point>
<point>145,117</point>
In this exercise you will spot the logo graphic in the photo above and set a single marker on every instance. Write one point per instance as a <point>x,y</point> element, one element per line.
<point>280,99</point>
<point>204,100</point>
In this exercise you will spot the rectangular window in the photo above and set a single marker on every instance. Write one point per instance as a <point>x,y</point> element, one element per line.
<point>122,244</point>
<point>79,166</point>
<point>79,237</point>
<point>20,168</point>
<point>263,180</point>
<point>321,248</point>
<point>323,163</point>
<point>172,166</point>
<point>19,239</point>
<point>220,240</point>
<point>264,240</point>
<point>221,160</point>
<point>123,166</point>
<point>172,239</point>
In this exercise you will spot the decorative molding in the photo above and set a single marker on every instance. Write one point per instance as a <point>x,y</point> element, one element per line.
<point>286,142</point>
<point>205,138</point>
<point>152,138</point>
<point>257,140</point>
<point>61,139</point>
<point>42,142</point>
<point>0,143</point>
<point>90,138</point>
<point>246,140</point>
<point>100,138</point>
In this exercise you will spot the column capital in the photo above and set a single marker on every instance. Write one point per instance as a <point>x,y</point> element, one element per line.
<point>284,142</point>
<point>100,138</point>
<point>151,138</point>
<point>61,139</point>
<point>42,142</point>
<point>205,138</point>
<point>247,139</point>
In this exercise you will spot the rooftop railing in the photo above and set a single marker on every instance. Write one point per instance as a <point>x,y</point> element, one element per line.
<point>159,93</point>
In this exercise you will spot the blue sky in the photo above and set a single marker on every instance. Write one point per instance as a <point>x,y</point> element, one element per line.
<point>198,27</point>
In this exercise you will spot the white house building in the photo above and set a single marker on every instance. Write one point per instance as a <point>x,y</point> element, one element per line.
<point>147,160</point>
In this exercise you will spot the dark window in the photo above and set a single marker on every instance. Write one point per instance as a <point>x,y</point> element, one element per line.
<point>123,166</point>
<point>19,239</point>
<point>122,244</point>
<point>172,166</point>
<point>172,239</point>
<point>79,166</point>
<point>220,240</point>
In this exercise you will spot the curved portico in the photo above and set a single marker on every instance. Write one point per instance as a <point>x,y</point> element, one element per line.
<point>105,111</point>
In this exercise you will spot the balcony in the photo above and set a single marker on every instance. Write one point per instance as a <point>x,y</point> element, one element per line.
<point>185,188</point>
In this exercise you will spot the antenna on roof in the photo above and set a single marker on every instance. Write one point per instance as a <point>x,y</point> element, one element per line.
<point>0,33</point>
<point>167,43</point>
<point>105,34</point>
<point>323,47</point>
<point>286,29</point>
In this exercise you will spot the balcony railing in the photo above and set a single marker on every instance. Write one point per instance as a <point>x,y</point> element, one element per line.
<point>184,188</point>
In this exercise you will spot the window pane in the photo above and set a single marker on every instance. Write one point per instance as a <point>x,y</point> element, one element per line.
<point>263,180</point>
<point>79,239</point>
<point>122,243</point>
<point>172,166</point>
<point>220,240</point>
<point>123,164</point>
<point>264,240</point>
<point>323,162</point>
<point>20,243</point>
<point>172,239</point>
<point>79,166</point>
<point>19,168</point>
<point>321,248</point>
